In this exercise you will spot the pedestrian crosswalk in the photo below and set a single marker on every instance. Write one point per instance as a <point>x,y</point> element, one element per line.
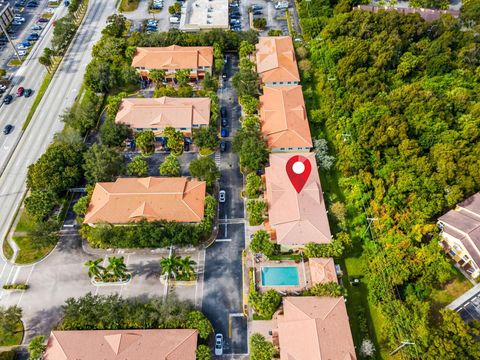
<point>217,158</point>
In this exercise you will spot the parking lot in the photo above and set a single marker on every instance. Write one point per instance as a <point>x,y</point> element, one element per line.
<point>26,23</point>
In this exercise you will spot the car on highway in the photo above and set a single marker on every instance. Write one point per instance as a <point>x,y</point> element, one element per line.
<point>7,129</point>
<point>20,91</point>
<point>218,344</point>
<point>27,93</point>
<point>224,132</point>
<point>223,146</point>
<point>7,99</point>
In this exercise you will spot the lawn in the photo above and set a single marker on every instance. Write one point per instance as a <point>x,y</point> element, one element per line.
<point>129,5</point>
<point>25,224</point>
<point>28,252</point>
<point>450,291</point>
<point>7,250</point>
<point>12,339</point>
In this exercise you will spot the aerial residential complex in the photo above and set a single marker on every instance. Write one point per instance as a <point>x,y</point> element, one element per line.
<point>276,61</point>
<point>151,198</point>
<point>183,114</point>
<point>311,328</point>
<point>161,344</point>
<point>199,60</point>
<point>306,219</point>
<point>283,119</point>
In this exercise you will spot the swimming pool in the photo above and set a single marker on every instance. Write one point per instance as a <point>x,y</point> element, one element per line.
<point>280,276</point>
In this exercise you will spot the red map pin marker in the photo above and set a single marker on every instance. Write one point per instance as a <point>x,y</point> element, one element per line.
<point>298,170</point>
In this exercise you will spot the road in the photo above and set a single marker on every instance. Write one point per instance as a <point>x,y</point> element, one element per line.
<point>46,121</point>
<point>29,75</point>
<point>222,289</point>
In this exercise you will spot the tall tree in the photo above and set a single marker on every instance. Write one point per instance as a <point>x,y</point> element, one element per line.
<point>204,168</point>
<point>102,163</point>
<point>170,166</point>
<point>137,167</point>
<point>95,270</point>
<point>145,141</point>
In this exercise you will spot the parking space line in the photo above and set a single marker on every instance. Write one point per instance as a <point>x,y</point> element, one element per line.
<point>223,240</point>
<point>126,264</point>
<point>26,282</point>
<point>200,279</point>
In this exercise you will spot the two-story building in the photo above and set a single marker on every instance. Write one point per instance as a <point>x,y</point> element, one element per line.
<point>276,62</point>
<point>129,200</point>
<point>461,234</point>
<point>197,59</point>
<point>183,114</point>
<point>295,218</point>
<point>283,119</point>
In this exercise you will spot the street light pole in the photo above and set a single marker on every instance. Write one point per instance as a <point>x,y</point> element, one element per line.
<point>10,41</point>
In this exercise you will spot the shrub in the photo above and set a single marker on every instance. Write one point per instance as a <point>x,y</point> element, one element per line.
<point>15,286</point>
<point>203,352</point>
<point>265,304</point>
<point>256,211</point>
<point>261,243</point>
<point>137,167</point>
<point>331,289</point>
<point>260,23</point>
<point>170,166</point>
<point>261,349</point>
<point>145,142</point>
<point>254,186</point>
<point>332,249</point>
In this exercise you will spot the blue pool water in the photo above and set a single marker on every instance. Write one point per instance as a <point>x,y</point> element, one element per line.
<point>280,276</point>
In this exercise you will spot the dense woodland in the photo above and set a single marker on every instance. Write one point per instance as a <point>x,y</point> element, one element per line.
<point>398,100</point>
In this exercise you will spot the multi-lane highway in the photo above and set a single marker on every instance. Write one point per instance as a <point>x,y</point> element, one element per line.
<point>46,121</point>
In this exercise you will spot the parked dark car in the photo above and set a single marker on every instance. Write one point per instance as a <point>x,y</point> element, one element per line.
<point>223,111</point>
<point>32,5</point>
<point>7,129</point>
<point>224,121</point>
<point>223,146</point>
<point>186,146</point>
<point>8,99</point>
<point>27,93</point>
<point>224,132</point>
<point>32,37</point>
<point>43,20</point>
<point>257,12</point>
<point>20,91</point>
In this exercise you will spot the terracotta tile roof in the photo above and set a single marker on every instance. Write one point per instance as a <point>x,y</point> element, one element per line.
<point>151,198</point>
<point>147,113</point>
<point>315,328</point>
<point>306,219</point>
<point>322,270</point>
<point>175,344</point>
<point>284,117</point>
<point>463,223</point>
<point>173,57</point>
<point>276,60</point>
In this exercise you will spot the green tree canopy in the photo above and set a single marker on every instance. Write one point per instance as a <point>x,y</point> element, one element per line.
<point>170,166</point>
<point>102,163</point>
<point>58,169</point>
<point>260,348</point>
<point>40,204</point>
<point>206,137</point>
<point>137,167</point>
<point>175,140</point>
<point>145,141</point>
<point>261,243</point>
<point>204,168</point>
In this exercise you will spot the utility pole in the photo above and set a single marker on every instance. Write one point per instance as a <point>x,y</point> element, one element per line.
<point>403,343</point>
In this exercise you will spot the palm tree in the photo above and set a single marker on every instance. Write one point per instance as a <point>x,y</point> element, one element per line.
<point>170,266</point>
<point>117,267</point>
<point>186,266</point>
<point>94,268</point>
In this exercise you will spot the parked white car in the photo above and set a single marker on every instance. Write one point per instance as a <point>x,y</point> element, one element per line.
<point>222,196</point>
<point>281,5</point>
<point>218,344</point>
<point>22,52</point>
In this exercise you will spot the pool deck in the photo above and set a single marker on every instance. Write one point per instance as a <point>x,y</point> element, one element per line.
<point>303,276</point>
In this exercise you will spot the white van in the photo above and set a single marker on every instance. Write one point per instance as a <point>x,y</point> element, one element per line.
<point>174,20</point>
